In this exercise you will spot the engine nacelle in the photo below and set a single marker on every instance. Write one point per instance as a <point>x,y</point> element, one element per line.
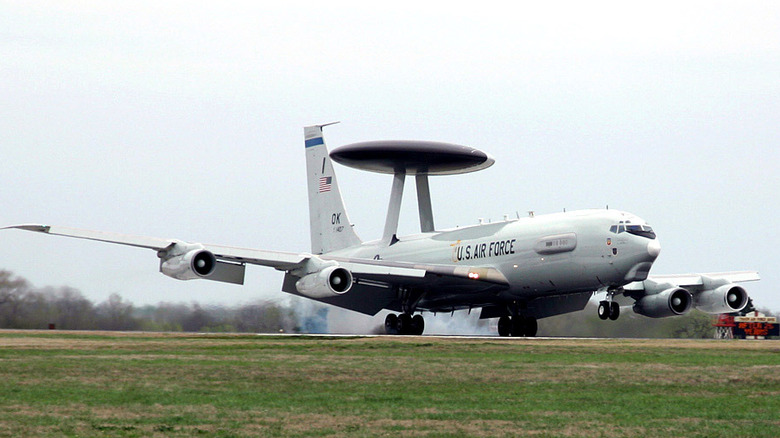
<point>728,298</point>
<point>330,281</point>
<point>672,301</point>
<point>195,263</point>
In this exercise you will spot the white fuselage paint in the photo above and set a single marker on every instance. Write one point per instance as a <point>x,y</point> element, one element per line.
<point>545,254</point>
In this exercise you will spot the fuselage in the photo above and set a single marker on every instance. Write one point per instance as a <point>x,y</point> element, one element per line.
<point>558,253</point>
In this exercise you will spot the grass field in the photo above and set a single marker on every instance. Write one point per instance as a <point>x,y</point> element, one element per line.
<point>138,384</point>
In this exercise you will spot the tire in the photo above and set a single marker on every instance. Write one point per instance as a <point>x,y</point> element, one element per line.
<point>614,311</point>
<point>518,326</point>
<point>391,324</point>
<point>531,327</point>
<point>504,326</point>
<point>604,310</point>
<point>418,325</point>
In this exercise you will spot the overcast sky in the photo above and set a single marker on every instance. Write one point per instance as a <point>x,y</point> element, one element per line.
<point>172,119</point>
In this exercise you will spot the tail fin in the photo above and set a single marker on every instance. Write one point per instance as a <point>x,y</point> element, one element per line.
<point>330,226</point>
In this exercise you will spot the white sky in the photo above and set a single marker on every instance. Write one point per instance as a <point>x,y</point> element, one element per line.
<point>178,119</point>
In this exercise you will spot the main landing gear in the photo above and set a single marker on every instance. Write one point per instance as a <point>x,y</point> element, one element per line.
<point>517,326</point>
<point>404,324</point>
<point>609,310</point>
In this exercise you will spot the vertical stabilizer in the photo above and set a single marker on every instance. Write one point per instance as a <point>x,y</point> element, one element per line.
<point>330,226</point>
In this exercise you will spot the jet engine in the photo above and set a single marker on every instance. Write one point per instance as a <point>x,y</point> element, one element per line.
<point>671,301</point>
<point>328,282</point>
<point>187,262</point>
<point>727,298</point>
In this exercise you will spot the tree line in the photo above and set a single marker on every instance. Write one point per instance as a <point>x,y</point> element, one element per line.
<point>25,307</point>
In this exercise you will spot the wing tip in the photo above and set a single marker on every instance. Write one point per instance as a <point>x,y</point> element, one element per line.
<point>29,227</point>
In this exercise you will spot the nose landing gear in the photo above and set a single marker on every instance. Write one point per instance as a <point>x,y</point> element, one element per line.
<point>609,310</point>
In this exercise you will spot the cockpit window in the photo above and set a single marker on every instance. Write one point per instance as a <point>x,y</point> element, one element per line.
<point>637,230</point>
<point>641,230</point>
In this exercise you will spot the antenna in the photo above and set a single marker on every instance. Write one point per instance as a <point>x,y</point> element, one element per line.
<point>328,124</point>
<point>402,158</point>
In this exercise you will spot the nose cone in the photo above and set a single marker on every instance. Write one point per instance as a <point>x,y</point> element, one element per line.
<point>654,248</point>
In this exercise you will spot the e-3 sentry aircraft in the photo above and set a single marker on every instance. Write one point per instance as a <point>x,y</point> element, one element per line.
<point>517,270</point>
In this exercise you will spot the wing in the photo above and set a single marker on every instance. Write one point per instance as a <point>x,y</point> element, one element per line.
<point>373,284</point>
<point>668,295</point>
<point>172,247</point>
<point>102,236</point>
<point>694,281</point>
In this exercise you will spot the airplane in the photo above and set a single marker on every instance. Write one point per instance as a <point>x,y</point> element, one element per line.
<point>517,270</point>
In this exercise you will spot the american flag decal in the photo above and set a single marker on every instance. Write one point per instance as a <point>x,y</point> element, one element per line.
<point>325,182</point>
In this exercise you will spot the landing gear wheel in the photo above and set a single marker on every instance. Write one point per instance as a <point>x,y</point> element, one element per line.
<point>518,326</point>
<point>530,327</point>
<point>604,310</point>
<point>522,326</point>
<point>614,311</point>
<point>418,325</point>
<point>504,326</point>
<point>404,324</point>
<point>391,324</point>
